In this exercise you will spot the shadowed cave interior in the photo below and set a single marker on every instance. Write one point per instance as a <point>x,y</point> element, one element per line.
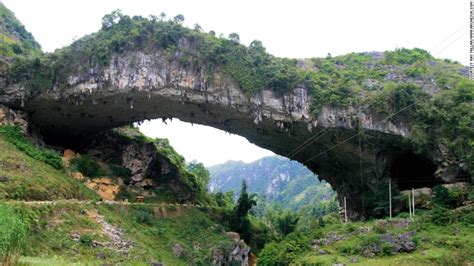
<point>413,171</point>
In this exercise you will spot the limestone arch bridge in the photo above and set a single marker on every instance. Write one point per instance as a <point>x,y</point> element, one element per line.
<point>137,86</point>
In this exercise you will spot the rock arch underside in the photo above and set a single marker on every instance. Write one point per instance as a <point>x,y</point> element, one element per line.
<point>138,85</point>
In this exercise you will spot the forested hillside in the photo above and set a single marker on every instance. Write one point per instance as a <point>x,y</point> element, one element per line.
<point>276,179</point>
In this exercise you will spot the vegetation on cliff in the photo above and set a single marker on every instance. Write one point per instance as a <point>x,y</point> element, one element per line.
<point>15,40</point>
<point>32,173</point>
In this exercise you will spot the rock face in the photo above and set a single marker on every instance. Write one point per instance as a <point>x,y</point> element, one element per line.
<point>139,85</point>
<point>149,168</point>
<point>145,162</point>
<point>13,117</point>
<point>239,253</point>
<point>104,186</point>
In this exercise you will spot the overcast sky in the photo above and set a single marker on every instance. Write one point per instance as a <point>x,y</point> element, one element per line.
<point>295,28</point>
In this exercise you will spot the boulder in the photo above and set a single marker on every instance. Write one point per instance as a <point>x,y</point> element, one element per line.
<point>233,235</point>
<point>422,197</point>
<point>178,250</point>
<point>69,154</point>
<point>13,117</point>
<point>400,243</point>
<point>458,185</point>
<point>78,176</point>
<point>450,173</point>
<point>101,256</point>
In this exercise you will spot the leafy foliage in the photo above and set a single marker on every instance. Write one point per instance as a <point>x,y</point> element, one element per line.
<point>225,199</point>
<point>447,123</point>
<point>441,196</point>
<point>441,215</point>
<point>200,173</point>
<point>88,166</point>
<point>284,252</point>
<point>121,172</point>
<point>286,222</point>
<point>239,220</point>
<point>14,230</point>
<point>378,200</point>
<point>86,239</point>
<point>142,216</point>
<point>15,40</point>
<point>13,135</point>
<point>448,198</point>
<point>407,56</point>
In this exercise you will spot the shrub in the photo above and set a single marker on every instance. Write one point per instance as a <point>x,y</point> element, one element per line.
<point>387,249</point>
<point>281,253</point>
<point>467,218</point>
<point>470,195</point>
<point>270,254</point>
<point>441,215</point>
<point>13,232</point>
<point>378,201</point>
<point>348,247</point>
<point>448,198</point>
<point>407,56</point>
<point>121,172</point>
<point>286,222</point>
<point>86,239</point>
<point>143,216</point>
<point>87,166</point>
<point>456,196</point>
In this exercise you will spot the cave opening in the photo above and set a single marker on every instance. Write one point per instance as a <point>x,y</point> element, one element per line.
<point>413,171</point>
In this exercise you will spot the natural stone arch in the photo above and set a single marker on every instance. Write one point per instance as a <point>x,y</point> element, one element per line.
<point>137,86</point>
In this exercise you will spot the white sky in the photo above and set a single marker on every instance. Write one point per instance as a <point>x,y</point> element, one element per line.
<point>295,28</point>
<point>202,143</point>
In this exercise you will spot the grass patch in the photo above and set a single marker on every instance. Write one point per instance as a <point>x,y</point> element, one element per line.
<point>13,234</point>
<point>13,135</point>
<point>32,179</point>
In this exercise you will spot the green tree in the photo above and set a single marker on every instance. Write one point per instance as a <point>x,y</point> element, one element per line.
<point>110,19</point>
<point>197,27</point>
<point>239,220</point>
<point>234,37</point>
<point>225,200</point>
<point>178,19</point>
<point>201,173</point>
<point>162,16</point>
<point>286,222</point>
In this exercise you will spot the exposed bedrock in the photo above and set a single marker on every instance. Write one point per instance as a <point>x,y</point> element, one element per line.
<point>136,86</point>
